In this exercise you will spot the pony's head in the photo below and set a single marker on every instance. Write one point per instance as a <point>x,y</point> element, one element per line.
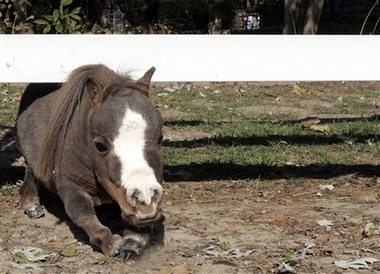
<point>125,133</point>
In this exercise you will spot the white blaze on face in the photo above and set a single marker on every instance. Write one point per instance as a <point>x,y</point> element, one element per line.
<point>137,177</point>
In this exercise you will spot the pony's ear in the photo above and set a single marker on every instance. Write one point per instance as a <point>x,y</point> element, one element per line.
<point>143,83</point>
<point>94,90</point>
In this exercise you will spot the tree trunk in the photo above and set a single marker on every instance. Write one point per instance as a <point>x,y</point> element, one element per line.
<point>302,16</point>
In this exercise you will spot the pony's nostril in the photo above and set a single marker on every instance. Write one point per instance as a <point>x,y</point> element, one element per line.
<point>157,194</point>
<point>135,196</point>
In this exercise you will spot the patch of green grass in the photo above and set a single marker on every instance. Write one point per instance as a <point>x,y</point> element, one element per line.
<point>227,104</point>
<point>324,110</point>
<point>268,142</point>
<point>351,105</point>
<point>249,152</point>
<point>8,104</point>
<point>360,128</point>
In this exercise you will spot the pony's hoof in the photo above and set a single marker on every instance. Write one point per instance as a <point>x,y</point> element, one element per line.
<point>128,247</point>
<point>35,211</point>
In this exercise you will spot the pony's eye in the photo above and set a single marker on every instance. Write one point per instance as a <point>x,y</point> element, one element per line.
<point>101,147</point>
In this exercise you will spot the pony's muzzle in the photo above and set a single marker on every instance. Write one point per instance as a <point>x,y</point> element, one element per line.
<point>147,203</point>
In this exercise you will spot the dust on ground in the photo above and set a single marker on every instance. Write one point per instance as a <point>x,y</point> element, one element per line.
<point>218,225</point>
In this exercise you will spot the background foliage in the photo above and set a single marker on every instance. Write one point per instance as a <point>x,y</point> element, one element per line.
<point>174,16</point>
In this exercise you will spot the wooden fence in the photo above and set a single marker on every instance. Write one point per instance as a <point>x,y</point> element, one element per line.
<point>194,58</point>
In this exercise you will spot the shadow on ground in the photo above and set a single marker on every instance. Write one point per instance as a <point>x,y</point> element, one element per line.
<point>230,171</point>
<point>311,139</point>
<point>10,170</point>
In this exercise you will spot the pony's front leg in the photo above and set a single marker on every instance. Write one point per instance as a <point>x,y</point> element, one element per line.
<point>80,209</point>
<point>29,199</point>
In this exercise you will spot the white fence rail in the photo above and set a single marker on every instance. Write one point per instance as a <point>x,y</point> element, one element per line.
<point>194,58</point>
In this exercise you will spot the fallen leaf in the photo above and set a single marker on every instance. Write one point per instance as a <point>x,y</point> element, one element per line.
<point>326,187</point>
<point>370,230</point>
<point>367,250</point>
<point>233,253</point>
<point>19,257</point>
<point>310,122</point>
<point>298,90</point>
<point>224,245</point>
<point>173,89</point>
<point>69,251</point>
<point>289,163</point>
<point>174,98</point>
<point>209,252</point>
<point>320,128</point>
<point>285,268</point>
<point>31,254</point>
<point>325,223</point>
<point>163,94</point>
<point>27,266</point>
<point>15,97</point>
<point>357,264</point>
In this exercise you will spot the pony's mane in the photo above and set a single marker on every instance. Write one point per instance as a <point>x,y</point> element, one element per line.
<point>68,100</point>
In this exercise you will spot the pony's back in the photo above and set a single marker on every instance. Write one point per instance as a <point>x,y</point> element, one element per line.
<point>35,91</point>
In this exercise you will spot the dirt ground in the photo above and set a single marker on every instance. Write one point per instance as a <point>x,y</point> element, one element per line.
<point>211,226</point>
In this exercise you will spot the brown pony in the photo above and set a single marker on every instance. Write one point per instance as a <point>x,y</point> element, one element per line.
<point>94,140</point>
